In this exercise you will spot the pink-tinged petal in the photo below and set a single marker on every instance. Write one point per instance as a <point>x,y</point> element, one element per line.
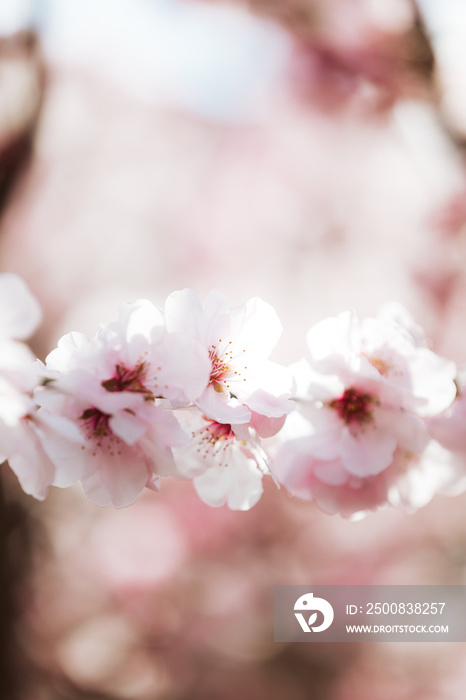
<point>48,425</point>
<point>354,499</point>
<point>153,483</point>
<point>269,405</point>
<point>331,472</point>
<point>369,452</point>
<point>159,458</point>
<point>28,456</point>
<point>221,408</point>
<point>110,402</point>
<point>33,468</point>
<point>127,426</point>
<point>123,474</point>
<point>409,430</point>
<point>95,491</point>
<point>164,428</point>
<point>319,445</point>
<point>325,427</point>
<point>324,482</point>
<point>238,485</point>
<point>294,470</point>
<point>164,432</point>
<point>266,427</point>
<point>449,428</point>
<point>20,312</point>
<point>71,462</point>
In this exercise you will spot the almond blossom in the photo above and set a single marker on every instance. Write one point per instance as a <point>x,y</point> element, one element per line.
<point>244,385</point>
<point>226,462</point>
<point>363,397</point>
<point>118,389</point>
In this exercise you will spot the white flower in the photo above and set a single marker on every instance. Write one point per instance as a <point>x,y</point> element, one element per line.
<point>226,462</point>
<point>243,385</point>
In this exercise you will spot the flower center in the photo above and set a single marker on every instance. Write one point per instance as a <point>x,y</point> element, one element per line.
<point>95,423</point>
<point>97,429</point>
<point>126,379</point>
<point>223,367</point>
<point>354,406</point>
<point>213,439</point>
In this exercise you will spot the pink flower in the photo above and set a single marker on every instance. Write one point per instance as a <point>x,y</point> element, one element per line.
<point>411,479</point>
<point>362,400</point>
<point>118,390</point>
<point>243,385</point>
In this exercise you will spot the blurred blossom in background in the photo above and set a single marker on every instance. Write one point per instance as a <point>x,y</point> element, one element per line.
<point>310,152</point>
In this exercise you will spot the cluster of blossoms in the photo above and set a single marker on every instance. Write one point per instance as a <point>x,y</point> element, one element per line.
<point>372,417</point>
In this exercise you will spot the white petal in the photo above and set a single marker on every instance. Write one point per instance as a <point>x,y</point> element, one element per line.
<point>34,469</point>
<point>183,313</point>
<point>140,318</point>
<point>69,347</point>
<point>432,382</point>
<point>239,485</point>
<point>185,368</point>
<point>396,312</point>
<point>20,312</point>
<point>256,327</point>
<point>221,408</point>
<point>269,405</point>
<point>335,337</point>
<point>127,426</point>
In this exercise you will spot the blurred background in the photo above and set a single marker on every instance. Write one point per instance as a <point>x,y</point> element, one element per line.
<point>310,152</point>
